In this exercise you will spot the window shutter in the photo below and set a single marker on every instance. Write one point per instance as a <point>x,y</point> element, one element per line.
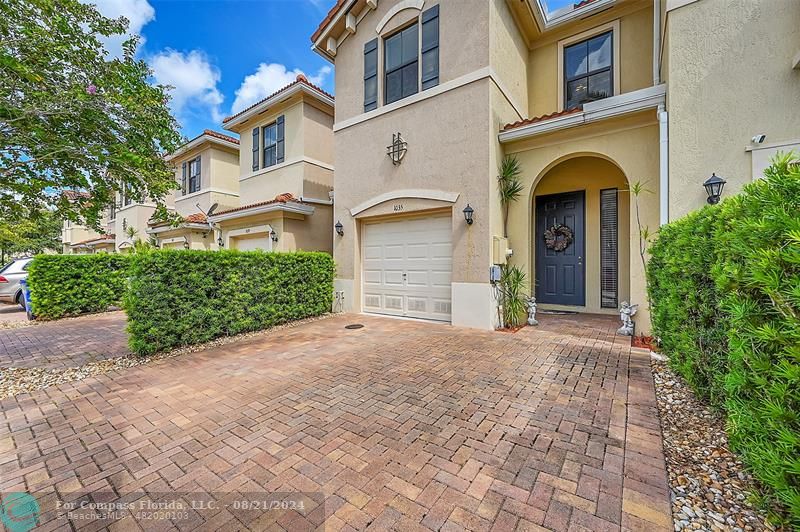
<point>255,148</point>
<point>199,173</point>
<point>608,249</point>
<point>280,144</point>
<point>430,47</point>
<point>183,180</point>
<point>371,75</point>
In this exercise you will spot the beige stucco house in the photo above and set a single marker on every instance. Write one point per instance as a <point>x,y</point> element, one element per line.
<point>590,99</point>
<point>78,238</point>
<point>285,174</point>
<point>207,172</point>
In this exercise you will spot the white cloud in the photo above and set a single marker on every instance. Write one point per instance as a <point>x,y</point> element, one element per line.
<point>138,13</point>
<point>194,80</point>
<point>267,79</point>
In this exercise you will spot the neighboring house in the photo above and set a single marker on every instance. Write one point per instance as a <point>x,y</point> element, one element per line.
<point>207,171</point>
<point>286,173</point>
<point>131,215</point>
<point>81,239</point>
<point>432,95</point>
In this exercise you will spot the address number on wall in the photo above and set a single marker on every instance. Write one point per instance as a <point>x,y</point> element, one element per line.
<point>398,207</point>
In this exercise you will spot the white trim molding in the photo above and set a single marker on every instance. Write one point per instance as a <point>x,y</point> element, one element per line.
<point>675,4</point>
<point>796,62</point>
<point>181,227</point>
<point>205,190</point>
<point>438,195</point>
<point>629,102</point>
<point>616,65</point>
<point>395,9</point>
<point>199,141</point>
<point>297,208</point>
<point>278,97</point>
<point>308,160</point>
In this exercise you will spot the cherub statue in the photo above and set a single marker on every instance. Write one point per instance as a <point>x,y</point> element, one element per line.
<point>530,304</point>
<point>625,314</point>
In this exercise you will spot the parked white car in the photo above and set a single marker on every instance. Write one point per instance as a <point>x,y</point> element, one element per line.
<point>10,276</point>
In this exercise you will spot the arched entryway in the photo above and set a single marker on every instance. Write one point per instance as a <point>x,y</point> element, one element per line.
<point>583,202</point>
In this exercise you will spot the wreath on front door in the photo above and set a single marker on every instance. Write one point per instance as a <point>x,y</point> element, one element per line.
<point>558,237</point>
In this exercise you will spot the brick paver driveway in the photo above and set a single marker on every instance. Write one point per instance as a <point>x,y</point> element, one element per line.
<point>65,343</point>
<point>399,425</point>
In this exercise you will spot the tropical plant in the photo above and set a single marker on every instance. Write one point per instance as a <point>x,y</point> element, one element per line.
<point>39,232</point>
<point>513,294</point>
<point>74,118</point>
<point>510,186</point>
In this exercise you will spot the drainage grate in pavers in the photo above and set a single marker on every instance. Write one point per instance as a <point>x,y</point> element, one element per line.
<point>354,326</point>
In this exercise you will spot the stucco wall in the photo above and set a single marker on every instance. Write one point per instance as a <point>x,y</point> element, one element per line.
<point>508,54</point>
<point>317,134</point>
<point>136,216</point>
<point>463,48</point>
<point>636,56</point>
<point>313,233</point>
<point>294,123</point>
<point>730,77</point>
<point>224,170</point>
<point>632,144</point>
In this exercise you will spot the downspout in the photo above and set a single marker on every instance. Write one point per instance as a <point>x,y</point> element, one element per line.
<point>663,121</point>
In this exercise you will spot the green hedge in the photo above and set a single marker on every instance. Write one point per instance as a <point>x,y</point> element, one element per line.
<point>724,284</point>
<point>179,297</point>
<point>69,285</point>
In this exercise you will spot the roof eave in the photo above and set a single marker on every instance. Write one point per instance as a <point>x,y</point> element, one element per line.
<point>233,123</point>
<point>199,141</point>
<point>297,208</point>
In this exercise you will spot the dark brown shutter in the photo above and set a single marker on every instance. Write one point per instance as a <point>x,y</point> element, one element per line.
<point>609,249</point>
<point>255,148</point>
<point>199,173</point>
<point>183,180</point>
<point>430,47</point>
<point>371,75</point>
<point>281,144</point>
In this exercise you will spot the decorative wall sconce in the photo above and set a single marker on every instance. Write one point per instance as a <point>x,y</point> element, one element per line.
<point>468,211</point>
<point>714,186</point>
<point>398,149</point>
<point>220,242</point>
<point>339,228</point>
<point>186,244</point>
<point>273,235</point>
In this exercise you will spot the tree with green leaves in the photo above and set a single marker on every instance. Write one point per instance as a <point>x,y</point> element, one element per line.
<point>510,186</point>
<point>36,234</point>
<point>73,118</point>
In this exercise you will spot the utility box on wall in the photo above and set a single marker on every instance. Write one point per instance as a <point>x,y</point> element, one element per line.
<point>500,251</point>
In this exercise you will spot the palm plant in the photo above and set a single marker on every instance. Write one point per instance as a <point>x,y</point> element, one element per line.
<point>510,186</point>
<point>512,293</point>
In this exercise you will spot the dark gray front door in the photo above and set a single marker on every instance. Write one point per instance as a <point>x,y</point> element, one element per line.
<point>560,275</point>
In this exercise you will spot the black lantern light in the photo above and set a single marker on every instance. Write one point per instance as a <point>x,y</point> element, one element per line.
<point>220,242</point>
<point>713,186</point>
<point>185,243</point>
<point>273,235</point>
<point>339,228</point>
<point>468,211</point>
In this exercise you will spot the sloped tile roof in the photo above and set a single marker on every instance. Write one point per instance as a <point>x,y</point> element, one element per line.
<point>332,13</point>
<point>75,194</point>
<point>299,79</point>
<point>196,218</point>
<point>95,239</point>
<point>280,198</point>
<point>535,119</point>
<point>222,136</point>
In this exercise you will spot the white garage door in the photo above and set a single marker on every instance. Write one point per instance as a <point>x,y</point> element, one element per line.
<point>407,265</point>
<point>252,243</point>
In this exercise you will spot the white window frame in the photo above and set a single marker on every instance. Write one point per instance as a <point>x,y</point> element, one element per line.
<point>616,67</point>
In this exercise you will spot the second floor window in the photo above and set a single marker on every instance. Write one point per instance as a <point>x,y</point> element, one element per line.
<point>588,71</point>
<point>112,211</point>
<point>194,175</point>
<point>271,144</point>
<point>401,52</point>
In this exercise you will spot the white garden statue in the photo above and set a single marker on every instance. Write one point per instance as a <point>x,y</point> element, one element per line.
<point>530,303</point>
<point>625,314</point>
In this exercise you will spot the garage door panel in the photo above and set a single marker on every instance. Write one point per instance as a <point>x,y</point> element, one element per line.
<point>422,250</point>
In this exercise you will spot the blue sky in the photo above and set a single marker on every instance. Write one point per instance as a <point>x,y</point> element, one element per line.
<point>223,55</point>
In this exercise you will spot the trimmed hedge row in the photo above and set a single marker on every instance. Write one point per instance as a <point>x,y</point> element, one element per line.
<point>724,285</point>
<point>179,297</point>
<point>69,285</point>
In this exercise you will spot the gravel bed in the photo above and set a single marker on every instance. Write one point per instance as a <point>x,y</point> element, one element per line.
<point>710,487</point>
<point>14,381</point>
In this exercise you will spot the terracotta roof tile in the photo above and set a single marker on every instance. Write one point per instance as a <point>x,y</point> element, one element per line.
<point>95,239</point>
<point>332,13</point>
<point>280,198</point>
<point>299,79</point>
<point>222,136</point>
<point>529,121</point>
<point>196,218</point>
<point>578,5</point>
<point>75,194</point>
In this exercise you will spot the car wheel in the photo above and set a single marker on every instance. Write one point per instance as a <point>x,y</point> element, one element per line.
<point>21,300</point>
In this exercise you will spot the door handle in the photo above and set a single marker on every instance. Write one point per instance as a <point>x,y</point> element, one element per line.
<point>580,261</point>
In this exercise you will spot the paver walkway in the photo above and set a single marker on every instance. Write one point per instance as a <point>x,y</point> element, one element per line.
<point>398,425</point>
<point>65,343</point>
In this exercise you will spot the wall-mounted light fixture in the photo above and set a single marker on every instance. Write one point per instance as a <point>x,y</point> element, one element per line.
<point>220,242</point>
<point>186,243</point>
<point>273,235</point>
<point>468,212</point>
<point>339,228</point>
<point>714,186</point>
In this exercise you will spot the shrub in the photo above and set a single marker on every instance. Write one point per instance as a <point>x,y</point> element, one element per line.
<point>69,285</point>
<point>181,297</point>
<point>725,289</point>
